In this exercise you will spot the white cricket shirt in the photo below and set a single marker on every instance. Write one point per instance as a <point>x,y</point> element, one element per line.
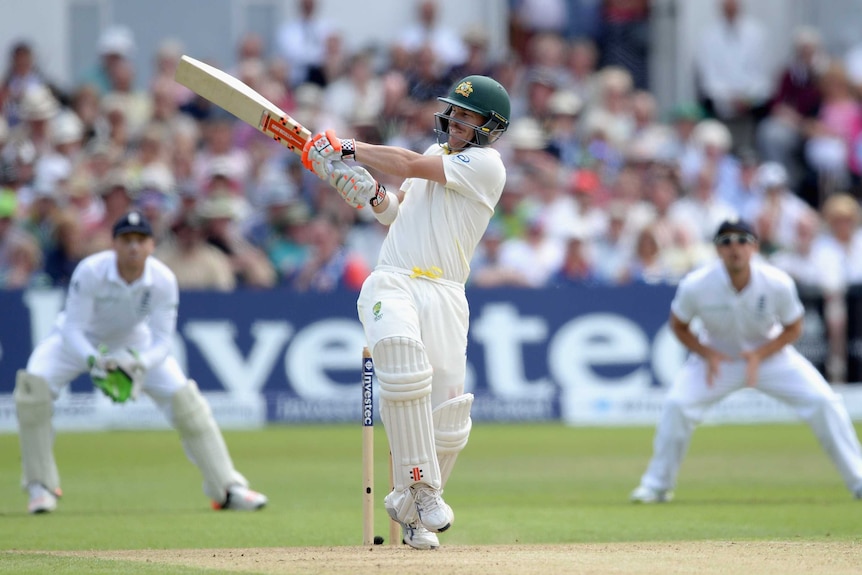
<point>438,227</point>
<point>733,321</point>
<point>101,308</point>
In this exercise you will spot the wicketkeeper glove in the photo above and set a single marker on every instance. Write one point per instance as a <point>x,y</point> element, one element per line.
<point>119,375</point>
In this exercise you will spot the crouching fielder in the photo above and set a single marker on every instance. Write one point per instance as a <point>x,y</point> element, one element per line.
<point>751,314</point>
<point>118,323</point>
<point>413,306</point>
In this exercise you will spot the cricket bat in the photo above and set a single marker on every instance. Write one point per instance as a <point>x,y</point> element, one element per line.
<point>239,99</point>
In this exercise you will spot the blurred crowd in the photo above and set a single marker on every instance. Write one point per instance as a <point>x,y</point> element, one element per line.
<point>603,188</point>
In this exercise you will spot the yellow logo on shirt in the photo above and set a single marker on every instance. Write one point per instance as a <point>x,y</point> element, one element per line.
<point>464,89</point>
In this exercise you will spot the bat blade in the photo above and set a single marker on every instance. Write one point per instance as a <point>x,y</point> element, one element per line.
<point>242,101</point>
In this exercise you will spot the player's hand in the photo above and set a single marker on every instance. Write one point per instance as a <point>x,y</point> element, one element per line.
<point>713,362</point>
<point>752,367</point>
<point>329,147</point>
<point>314,161</point>
<point>120,375</point>
<point>357,186</point>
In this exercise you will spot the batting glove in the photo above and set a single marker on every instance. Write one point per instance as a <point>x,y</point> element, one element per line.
<point>330,147</point>
<point>357,186</point>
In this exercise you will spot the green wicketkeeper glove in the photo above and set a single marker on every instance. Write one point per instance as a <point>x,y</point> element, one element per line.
<point>119,377</point>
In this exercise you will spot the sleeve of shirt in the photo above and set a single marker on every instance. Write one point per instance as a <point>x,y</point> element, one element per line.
<point>79,310</point>
<point>789,307</point>
<point>478,174</point>
<point>683,304</point>
<point>162,322</point>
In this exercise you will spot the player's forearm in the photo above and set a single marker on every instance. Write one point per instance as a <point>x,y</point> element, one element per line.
<point>689,340</point>
<point>788,335</point>
<point>398,162</point>
<point>76,342</point>
<point>388,159</point>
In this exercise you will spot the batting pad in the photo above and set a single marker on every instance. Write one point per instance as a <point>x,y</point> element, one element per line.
<point>34,405</point>
<point>203,441</point>
<point>452,426</point>
<point>404,375</point>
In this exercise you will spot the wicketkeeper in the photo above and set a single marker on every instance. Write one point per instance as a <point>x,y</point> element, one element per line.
<point>118,324</point>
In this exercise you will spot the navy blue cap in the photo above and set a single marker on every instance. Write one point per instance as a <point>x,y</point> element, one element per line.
<point>735,226</point>
<point>133,223</point>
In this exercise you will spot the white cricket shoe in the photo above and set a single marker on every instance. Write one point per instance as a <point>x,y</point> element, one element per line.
<point>240,498</point>
<point>434,514</point>
<point>644,494</point>
<point>42,499</point>
<point>418,537</point>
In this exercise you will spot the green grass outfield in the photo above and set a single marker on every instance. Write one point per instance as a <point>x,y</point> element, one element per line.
<point>513,484</point>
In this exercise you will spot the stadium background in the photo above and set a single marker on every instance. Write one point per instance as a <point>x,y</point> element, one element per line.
<point>584,355</point>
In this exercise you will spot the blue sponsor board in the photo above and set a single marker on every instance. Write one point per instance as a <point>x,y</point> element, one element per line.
<point>530,351</point>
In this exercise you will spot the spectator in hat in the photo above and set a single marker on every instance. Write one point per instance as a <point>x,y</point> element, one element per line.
<point>38,107</point>
<point>116,44</point>
<point>116,191</point>
<point>221,229</point>
<point>564,139</point>
<point>197,264</point>
<point>777,211</point>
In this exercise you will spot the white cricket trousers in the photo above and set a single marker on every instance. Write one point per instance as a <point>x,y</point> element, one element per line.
<point>786,376</point>
<point>434,312</point>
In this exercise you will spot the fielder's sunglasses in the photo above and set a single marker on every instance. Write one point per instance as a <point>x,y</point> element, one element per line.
<point>728,239</point>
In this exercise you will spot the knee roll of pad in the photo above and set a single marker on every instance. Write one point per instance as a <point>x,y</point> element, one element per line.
<point>452,425</point>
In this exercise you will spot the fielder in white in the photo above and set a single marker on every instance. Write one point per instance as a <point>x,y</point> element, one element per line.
<point>413,306</point>
<point>119,320</point>
<point>751,315</point>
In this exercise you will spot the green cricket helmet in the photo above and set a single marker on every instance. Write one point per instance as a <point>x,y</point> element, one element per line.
<point>484,96</point>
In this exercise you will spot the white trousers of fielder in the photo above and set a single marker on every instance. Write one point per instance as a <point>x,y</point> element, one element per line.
<point>788,377</point>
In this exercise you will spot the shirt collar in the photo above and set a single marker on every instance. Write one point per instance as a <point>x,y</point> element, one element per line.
<point>146,278</point>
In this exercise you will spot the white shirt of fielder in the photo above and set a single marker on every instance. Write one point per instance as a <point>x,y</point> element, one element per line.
<point>101,308</point>
<point>733,321</point>
<point>439,226</point>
